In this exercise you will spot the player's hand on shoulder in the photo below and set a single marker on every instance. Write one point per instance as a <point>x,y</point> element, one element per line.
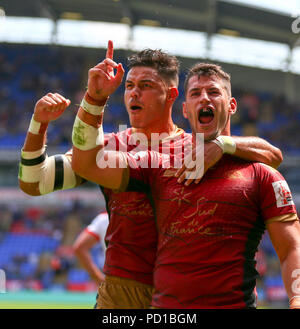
<point>102,81</point>
<point>197,162</point>
<point>50,107</point>
<point>192,167</point>
<point>212,154</point>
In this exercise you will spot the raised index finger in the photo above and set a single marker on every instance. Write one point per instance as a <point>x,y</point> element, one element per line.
<point>110,50</point>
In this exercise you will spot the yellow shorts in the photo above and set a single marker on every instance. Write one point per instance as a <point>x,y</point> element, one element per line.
<point>122,293</point>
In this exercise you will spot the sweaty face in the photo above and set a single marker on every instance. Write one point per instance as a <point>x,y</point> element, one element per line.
<point>208,106</point>
<point>145,97</point>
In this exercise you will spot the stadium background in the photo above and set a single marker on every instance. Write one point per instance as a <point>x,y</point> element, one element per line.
<point>36,234</point>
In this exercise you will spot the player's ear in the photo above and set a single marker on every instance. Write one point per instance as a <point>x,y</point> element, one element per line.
<point>172,94</point>
<point>232,106</point>
<point>184,110</point>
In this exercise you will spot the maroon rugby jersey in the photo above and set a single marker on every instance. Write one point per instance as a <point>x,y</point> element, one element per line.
<point>131,235</point>
<point>209,232</point>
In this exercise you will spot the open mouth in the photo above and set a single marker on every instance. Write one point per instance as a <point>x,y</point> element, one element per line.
<point>205,115</point>
<point>135,107</point>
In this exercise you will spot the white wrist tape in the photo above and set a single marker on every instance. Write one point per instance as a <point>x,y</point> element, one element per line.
<point>226,143</point>
<point>92,109</point>
<point>34,126</point>
<point>86,137</point>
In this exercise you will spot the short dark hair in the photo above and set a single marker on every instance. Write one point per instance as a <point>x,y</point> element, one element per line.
<point>208,69</point>
<point>165,64</point>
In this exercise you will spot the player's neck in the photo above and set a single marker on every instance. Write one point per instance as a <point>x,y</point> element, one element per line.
<point>197,138</point>
<point>168,128</point>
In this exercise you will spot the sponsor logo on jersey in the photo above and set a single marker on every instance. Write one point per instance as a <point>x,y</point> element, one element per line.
<point>282,193</point>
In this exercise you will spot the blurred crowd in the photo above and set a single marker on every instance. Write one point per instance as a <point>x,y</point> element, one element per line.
<point>36,247</point>
<point>29,72</point>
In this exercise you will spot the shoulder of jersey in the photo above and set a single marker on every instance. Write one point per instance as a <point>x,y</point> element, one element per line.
<point>273,170</point>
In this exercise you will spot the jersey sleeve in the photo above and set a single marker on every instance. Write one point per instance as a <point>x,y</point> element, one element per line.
<point>98,226</point>
<point>276,198</point>
<point>141,171</point>
<point>136,176</point>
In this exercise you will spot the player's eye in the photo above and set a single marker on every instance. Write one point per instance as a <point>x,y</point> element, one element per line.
<point>128,85</point>
<point>146,85</point>
<point>214,92</point>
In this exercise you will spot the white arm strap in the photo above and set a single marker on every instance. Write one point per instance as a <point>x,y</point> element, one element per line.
<point>86,137</point>
<point>226,143</point>
<point>52,173</point>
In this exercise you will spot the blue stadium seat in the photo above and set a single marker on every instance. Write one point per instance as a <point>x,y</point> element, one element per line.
<point>23,245</point>
<point>77,275</point>
<point>27,269</point>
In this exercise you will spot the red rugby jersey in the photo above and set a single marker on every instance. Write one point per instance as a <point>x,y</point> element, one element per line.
<point>131,236</point>
<point>209,232</point>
